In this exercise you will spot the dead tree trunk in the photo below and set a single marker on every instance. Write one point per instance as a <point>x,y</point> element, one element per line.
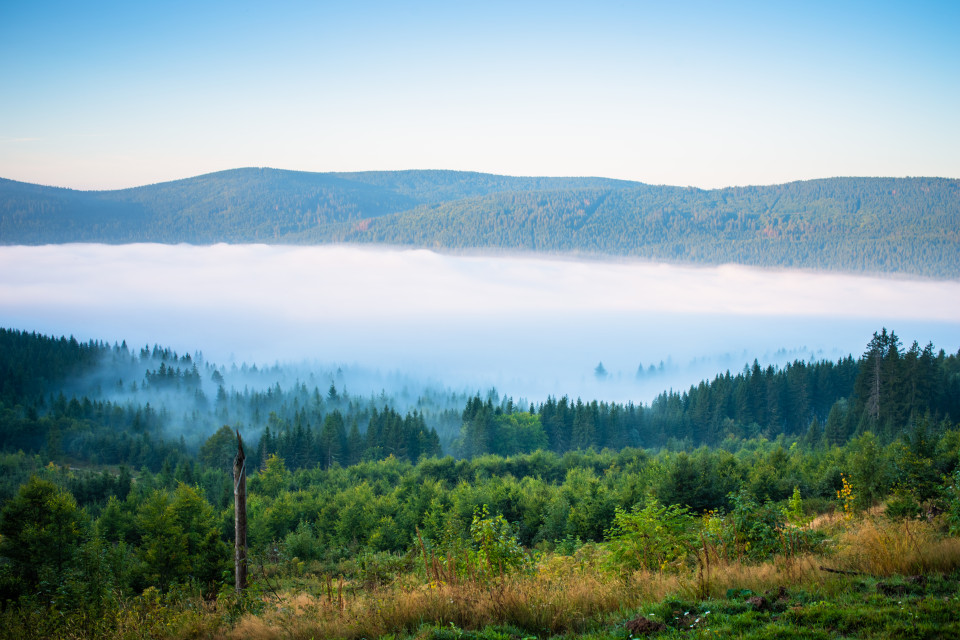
<point>240,516</point>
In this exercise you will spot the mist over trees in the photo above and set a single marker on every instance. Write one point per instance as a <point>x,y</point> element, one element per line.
<point>877,225</point>
<point>108,404</point>
<point>115,463</point>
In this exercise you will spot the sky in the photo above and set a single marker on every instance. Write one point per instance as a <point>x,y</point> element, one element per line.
<point>102,95</point>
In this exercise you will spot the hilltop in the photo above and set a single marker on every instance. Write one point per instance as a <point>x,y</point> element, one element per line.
<point>908,226</point>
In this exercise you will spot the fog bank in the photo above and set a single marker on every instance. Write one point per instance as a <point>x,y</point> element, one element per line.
<point>529,326</point>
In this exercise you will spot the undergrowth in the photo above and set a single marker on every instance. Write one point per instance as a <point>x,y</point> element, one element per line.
<point>872,578</point>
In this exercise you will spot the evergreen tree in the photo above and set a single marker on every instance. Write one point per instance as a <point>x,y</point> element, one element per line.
<point>814,433</point>
<point>333,440</point>
<point>355,445</point>
<point>40,530</point>
<point>833,432</point>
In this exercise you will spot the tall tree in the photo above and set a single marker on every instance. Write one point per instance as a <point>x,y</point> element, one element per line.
<point>40,530</point>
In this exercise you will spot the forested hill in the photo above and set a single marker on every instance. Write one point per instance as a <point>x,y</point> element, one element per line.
<point>891,225</point>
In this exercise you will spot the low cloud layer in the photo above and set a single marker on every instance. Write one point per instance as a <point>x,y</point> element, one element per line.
<point>530,326</point>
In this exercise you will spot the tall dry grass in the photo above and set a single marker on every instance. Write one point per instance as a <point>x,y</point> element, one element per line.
<point>562,596</point>
<point>882,547</point>
<point>544,602</point>
<point>572,594</point>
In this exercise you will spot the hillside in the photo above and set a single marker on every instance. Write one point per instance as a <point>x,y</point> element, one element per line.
<point>833,489</point>
<point>881,225</point>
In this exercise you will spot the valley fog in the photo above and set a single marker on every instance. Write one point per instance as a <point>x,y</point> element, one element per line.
<point>529,326</point>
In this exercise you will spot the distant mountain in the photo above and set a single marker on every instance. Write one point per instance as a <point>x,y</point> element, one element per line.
<point>886,225</point>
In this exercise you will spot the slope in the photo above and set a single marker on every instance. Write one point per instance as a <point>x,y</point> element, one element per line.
<point>907,226</point>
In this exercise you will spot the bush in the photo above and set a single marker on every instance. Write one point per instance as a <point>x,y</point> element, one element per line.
<point>758,531</point>
<point>301,543</point>
<point>379,568</point>
<point>902,505</point>
<point>497,550</point>
<point>655,537</point>
<point>952,500</point>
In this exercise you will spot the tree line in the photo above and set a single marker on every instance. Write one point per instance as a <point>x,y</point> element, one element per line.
<point>889,225</point>
<point>45,409</point>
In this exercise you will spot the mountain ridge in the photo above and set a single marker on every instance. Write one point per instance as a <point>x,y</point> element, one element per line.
<point>908,226</point>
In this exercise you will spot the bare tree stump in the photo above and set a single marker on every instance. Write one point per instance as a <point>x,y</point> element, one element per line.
<point>240,516</point>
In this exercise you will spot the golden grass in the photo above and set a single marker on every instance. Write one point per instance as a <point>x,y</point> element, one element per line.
<point>254,628</point>
<point>881,547</point>
<point>561,597</point>
<point>563,594</point>
<point>537,603</point>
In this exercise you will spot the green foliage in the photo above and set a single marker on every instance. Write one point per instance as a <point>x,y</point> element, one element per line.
<point>903,505</point>
<point>167,524</point>
<point>869,470</point>
<point>758,531</point>
<point>219,450</point>
<point>307,428</point>
<point>952,496</point>
<point>301,543</point>
<point>496,549</point>
<point>794,510</point>
<point>179,539</point>
<point>913,468</point>
<point>657,537</point>
<point>40,532</point>
<point>272,479</point>
<point>93,581</point>
<point>827,224</point>
<point>700,481</point>
<point>115,523</point>
<point>754,529</point>
<point>379,568</point>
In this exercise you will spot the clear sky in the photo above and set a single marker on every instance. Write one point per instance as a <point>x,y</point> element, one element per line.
<point>115,94</point>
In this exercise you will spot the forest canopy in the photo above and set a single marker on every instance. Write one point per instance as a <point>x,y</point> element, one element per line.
<point>873,225</point>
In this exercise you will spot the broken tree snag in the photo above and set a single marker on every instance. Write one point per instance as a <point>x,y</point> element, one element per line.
<point>240,516</point>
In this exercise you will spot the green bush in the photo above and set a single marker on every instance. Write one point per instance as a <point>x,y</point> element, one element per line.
<point>655,537</point>
<point>758,531</point>
<point>496,548</point>
<point>301,543</point>
<point>952,500</point>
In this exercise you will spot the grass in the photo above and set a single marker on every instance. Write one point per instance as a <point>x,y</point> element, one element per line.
<point>902,581</point>
<point>882,547</point>
<point>574,596</point>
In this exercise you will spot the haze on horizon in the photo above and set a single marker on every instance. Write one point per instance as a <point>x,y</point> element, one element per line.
<point>529,326</point>
<point>106,95</point>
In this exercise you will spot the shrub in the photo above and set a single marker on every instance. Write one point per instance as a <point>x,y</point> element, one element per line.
<point>655,537</point>
<point>757,532</point>
<point>952,499</point>
<point>497,550</point>
<point>301,543</point>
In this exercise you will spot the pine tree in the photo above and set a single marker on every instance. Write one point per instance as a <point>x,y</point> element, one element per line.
<point>833,431</point>
<point>814,433</point>
<point>354,444</point>
<point>333,440</point>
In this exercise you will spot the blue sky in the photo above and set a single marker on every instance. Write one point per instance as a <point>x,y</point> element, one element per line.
<point>107,95</point>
